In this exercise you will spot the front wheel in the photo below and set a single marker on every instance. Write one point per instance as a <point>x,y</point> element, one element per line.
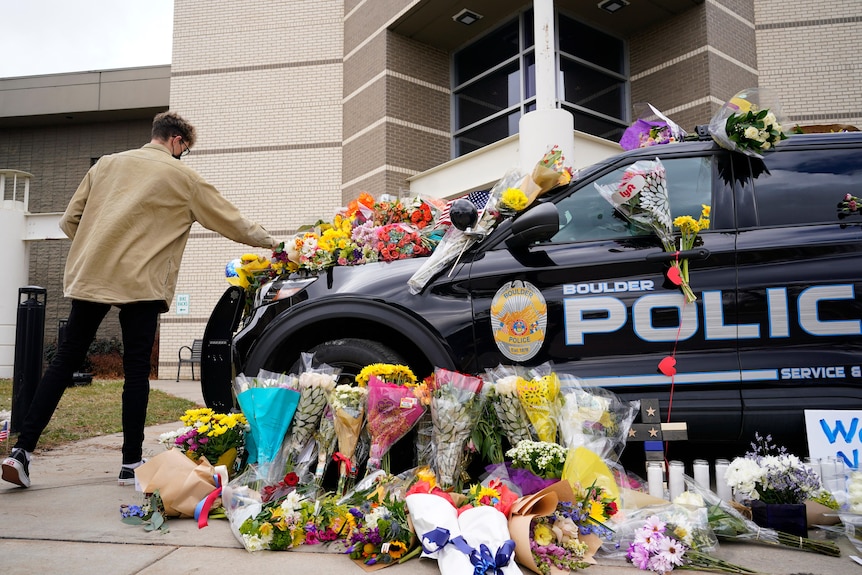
<point>351,355</point>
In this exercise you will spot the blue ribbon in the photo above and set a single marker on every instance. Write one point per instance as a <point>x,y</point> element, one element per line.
<point>482,560</point>
<point>439,537</point>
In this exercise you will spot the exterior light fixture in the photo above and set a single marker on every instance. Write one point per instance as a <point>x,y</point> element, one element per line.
<point>466,17</point>
<point>612,6</point>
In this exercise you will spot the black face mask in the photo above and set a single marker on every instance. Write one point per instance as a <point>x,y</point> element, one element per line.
<point>178,156</point>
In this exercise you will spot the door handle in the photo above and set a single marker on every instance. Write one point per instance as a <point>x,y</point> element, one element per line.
<point>695,254</point>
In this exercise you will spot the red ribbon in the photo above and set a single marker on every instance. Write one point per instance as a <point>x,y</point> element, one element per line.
<point>203,508</point>
<point>341,458</point>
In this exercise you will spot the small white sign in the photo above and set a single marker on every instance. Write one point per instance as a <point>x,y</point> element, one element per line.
<point>183,300</point>
<point>835,433</point>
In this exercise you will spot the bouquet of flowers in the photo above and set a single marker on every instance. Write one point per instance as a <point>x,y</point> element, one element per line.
<point>660,546</point>
<point>400,241</point>
<point>249,272</point>
<point>730,525</point>
<point>769,474</point>
<point>546,534</point>
<point>503,395</point>
<point>151,514</point>
<point>594,418</point>
<point>383,534</point>
<point>218,437</point>
<point>294,520</point>
<point>641,197</point>
<point>455,408</point>
<point>652,128</point>
<point>593,510</point>
<point>542,458</point>
<point>393,407</point>
<point>540,397</point>
<point>848,206</point>
<point>314,385</point>
<point>748,123</point>
<point>689,228</point>
<point>326,440</point>
<point>347,403</point>
<point>493,492</point>
<point>455,242</point>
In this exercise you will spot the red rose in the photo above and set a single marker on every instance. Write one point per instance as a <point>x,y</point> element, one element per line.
<point>291,479</point>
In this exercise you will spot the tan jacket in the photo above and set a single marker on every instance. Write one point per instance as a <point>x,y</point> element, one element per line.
<point>129,221</point>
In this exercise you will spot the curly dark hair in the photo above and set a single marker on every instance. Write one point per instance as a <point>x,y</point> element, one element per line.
<point>166,125</point>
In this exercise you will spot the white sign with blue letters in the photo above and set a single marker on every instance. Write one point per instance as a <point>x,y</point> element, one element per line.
<point>836,434</point>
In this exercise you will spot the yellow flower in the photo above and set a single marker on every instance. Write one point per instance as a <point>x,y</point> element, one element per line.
<point>514,199</point>
<point>543,535</point>
<point>266,528</point>
<point>705,210</point>
<point>597,511</point>
<point>397,549</point>
<point>426,474</point>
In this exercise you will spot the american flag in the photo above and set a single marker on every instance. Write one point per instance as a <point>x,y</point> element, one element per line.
<point>479,199</point>
<point>4,431</point>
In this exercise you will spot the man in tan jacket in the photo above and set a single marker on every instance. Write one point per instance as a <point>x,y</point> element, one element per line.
<point>129,222</point>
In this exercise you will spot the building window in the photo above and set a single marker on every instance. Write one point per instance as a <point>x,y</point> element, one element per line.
<point>495,82</point>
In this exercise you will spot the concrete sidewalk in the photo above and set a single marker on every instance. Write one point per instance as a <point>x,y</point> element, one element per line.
<point>69,522</point>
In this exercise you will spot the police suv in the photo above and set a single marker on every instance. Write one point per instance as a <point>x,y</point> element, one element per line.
<point>776,327</point>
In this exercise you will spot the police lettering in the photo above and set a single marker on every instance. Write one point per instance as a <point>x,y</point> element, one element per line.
<point>608,287</point>
<point>605,314</point>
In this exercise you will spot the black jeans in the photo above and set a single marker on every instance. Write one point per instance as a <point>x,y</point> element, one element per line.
<point>138,322</point>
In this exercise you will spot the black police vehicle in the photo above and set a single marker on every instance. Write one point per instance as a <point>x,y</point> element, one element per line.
<point>776,328</point>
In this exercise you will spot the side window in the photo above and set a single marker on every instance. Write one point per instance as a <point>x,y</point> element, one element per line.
<point>804,186</point>
<point>586,215</point>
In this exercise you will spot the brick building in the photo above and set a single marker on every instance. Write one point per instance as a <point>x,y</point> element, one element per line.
<point>301,105</point>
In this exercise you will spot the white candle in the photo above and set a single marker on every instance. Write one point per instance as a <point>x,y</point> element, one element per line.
<point>676,481</point>
<point>701,473</point>
<point>722,489</point>
<point>654,479</point>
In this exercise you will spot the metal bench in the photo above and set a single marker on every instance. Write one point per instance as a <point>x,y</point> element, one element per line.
<point>193,356</point>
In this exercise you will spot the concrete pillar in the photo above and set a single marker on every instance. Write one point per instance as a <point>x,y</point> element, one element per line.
<point>547,125</point>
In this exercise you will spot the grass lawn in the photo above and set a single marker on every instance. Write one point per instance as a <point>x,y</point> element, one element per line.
<point>92,410</point>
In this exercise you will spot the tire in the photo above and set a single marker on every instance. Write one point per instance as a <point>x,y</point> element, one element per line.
<point>351,355</point>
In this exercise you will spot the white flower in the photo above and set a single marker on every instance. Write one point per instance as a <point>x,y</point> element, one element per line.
<point>751,133</point>
<point>689,498</point>
<point>292,502</point>
<point>766,146</point>
<point>742,475</point>
<point>769,120</point>
<point>507,385</point>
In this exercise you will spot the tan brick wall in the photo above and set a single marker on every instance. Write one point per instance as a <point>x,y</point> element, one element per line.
<point>808,53</point>
<point>262,82</point>
<point>712,56</point>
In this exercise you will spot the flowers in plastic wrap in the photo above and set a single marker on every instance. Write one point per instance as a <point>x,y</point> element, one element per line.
<point>594,509</point>
<point>326,440</point>
<point>347,403</point>
<point>748,123</point>
<point>455,242</point>
<point>393,407</point>
<point>728,524</point>
<point>269,406</point>
<point>545,459</point>
<point>661,545</point>
<point>540,397</point>
<point>293,520</point>
<point>594,418</point>
<point>652,128</point>
<point>503,395</point>
<point>219,437</point>
<point>250,271</point>
<point>399,241</point>
<point>314,384</point>
<point>769,474</point>
<point>383,534</point>
<point>455,408</point>
<point>641,197</point>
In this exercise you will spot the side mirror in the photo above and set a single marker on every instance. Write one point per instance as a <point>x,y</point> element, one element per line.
<point>535,225</point>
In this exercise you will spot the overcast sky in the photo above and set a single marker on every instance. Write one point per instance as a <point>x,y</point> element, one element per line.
<point>56,36</point>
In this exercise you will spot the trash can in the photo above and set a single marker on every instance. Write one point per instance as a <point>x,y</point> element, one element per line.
<point>29,335</point>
